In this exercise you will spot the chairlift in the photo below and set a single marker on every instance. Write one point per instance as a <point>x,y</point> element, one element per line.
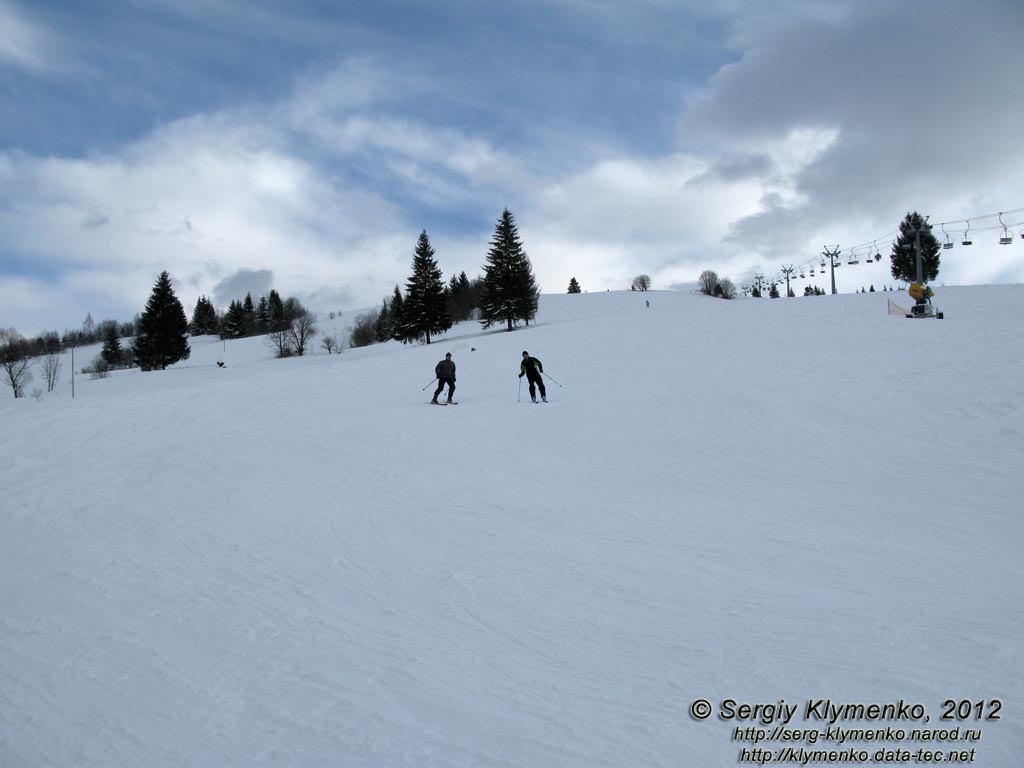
<point>812,266</point>
<point>823,264</point>
<point>949,242</point>
<point>802,275</point>
<point>967,240</point>
<point>1007,238</point>
<point>853,257</point>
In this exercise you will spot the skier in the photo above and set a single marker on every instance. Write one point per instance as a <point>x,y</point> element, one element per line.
<point>445,372</point>
<point>532,368</point>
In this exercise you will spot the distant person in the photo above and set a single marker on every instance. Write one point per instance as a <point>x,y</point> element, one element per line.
<point>532,368</point>
<point>648,304</point>
<point>445,372</point>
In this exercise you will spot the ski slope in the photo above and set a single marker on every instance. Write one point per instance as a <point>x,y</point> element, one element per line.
<point>299,563</point>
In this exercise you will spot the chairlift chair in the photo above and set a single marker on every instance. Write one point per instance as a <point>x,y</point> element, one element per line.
<point>1007,238</point>
<point>812,266</point>
<point>949,242</point>
<point>967,240</point>
<point>853,257</point>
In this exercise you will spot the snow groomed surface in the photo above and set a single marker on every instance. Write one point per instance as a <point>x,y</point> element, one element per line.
<point>292,562</point>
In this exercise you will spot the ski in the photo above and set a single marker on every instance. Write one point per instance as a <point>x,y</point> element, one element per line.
<point>453,402</point>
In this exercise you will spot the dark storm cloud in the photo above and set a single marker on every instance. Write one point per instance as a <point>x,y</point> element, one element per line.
<point>236,285</point>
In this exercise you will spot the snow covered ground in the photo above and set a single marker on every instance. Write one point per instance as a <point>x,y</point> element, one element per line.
<point>300,563</point>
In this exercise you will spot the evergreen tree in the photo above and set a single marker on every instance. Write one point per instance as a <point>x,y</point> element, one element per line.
<point>263,315</point>
<point>904,256</point>
<point>204,318</point>
<point>276,307</point>
<point>111,352</point>
<point>395,310</point>
<point>574,287</point>
<point>460,298</point>
<point>509,291</point>
<point>250,314</point>
<point>382,326</point>
<point>162,330</point>
<point>425,307</point>
<point>233,324</point>
<point>773,292</point>
<point>527,290</point>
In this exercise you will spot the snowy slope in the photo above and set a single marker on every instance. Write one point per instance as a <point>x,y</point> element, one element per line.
<point>299,562</point>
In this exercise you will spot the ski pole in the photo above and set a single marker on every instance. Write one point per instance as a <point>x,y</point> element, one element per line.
<point>431,382</point>
<point>551,379</point>
<point>519,397</point>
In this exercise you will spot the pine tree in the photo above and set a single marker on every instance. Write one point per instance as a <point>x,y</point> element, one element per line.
<point>250,314</point>
<point>460,298</point>
<point>204,318</point>
<point>773,292</point>
<point>161,334</point>
<point>263,315</point>
<point>111,352</point>
<point>382,326</point>
<point>904,255</point>
<point>509,293</point>
<point>425,307</point>
<point>574,287</point>
<point>276,307</point>
<point>395,309</point>
<point>526,288</point>
<point>233,324</point>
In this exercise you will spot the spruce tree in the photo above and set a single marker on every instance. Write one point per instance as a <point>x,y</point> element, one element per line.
<point>111,352</point>
<point>574,287</point>
<point>382,326</point>
<point>204,318</point>
<point>460,297</point>
<point>904,255</point>
<point>276,307</point>
<point>234,323</point>
<point>509,293</point>
<point>395,309</point>
<point>527,290</point>
<point>263,315</point>
<point>250,314</point>
<point>425,307</point>
<point>161,334</point>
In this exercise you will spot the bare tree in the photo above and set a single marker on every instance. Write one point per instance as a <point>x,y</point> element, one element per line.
<point>708,282</point>
<point>15,360</point>
<point>302,330</point>
<point>280,342</point>
<point>642,283</point>
<point>51,370</point>
<point>330,344</point>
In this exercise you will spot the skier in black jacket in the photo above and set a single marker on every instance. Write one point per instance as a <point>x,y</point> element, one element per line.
<point>445,372</point>
<point>532,368</point>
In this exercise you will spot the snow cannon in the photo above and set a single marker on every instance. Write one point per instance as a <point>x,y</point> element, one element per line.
<point>922,296</point>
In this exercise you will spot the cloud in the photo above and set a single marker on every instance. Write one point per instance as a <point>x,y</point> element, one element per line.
<point>235,286</point>
<point>26,45</point>
<point>203,198</point>
<point>920,121</point>
<point>825,124</point>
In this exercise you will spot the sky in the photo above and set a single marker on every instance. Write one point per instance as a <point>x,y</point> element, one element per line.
<point>243,146</point>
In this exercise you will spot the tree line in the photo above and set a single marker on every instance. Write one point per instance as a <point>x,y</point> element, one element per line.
<point>507,293</point>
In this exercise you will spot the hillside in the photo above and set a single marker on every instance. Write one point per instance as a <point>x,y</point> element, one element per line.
<point>298,562</point>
